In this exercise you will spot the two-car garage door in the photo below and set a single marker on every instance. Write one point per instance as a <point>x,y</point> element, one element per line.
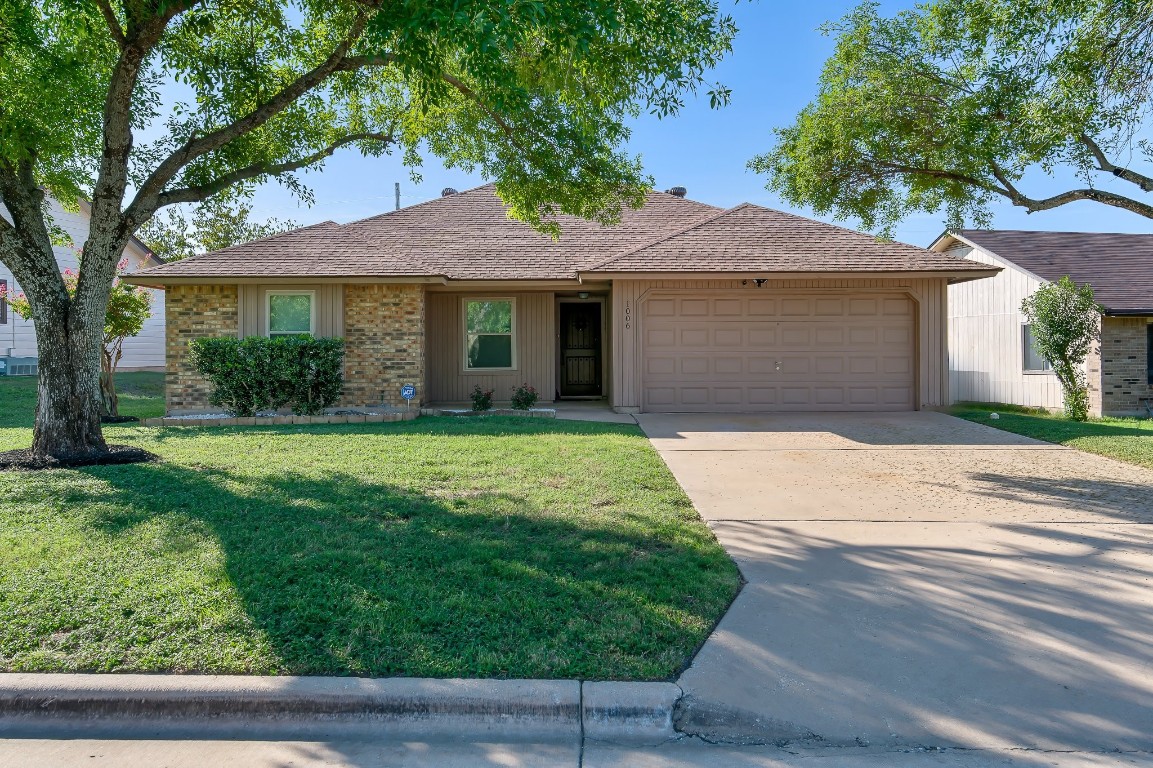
<point>748,351</point>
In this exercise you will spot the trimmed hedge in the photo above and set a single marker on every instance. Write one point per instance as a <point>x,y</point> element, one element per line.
<point>259,374</point>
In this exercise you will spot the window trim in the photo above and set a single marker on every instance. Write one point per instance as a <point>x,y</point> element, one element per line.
<point>464,302</point>
<point>1025,333</point>
<point>311,294</point>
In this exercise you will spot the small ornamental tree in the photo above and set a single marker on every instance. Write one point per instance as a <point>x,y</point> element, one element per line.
<point>128,308</point>
<point>1065,322</point>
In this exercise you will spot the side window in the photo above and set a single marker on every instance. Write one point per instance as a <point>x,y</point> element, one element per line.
<point>291,313</point>
<point>1031,360</point>
<point>489,334</point>
<point>3,302</point>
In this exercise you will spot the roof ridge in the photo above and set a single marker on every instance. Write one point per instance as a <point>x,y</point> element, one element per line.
<point>1050,232</point>
<point>422,203</point>
<point>665,238</point>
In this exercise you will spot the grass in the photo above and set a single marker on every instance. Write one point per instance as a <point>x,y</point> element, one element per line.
<point>1126,439</point>
<point>500,547</point>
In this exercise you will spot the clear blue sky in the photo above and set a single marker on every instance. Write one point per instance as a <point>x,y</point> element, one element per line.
<point>772,71</point>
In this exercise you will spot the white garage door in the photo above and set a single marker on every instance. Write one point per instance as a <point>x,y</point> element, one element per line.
<point>749,351</point>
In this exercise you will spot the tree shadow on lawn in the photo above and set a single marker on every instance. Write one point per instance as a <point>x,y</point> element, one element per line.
<point>347,576</point>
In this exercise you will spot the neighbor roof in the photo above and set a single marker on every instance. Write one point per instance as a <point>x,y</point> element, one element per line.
<point>469,236</point>
<point>1119,267</point>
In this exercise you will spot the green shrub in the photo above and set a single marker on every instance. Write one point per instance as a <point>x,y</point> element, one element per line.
<point>481,399</point>
<point>258,374</point>
<point>524,397</point>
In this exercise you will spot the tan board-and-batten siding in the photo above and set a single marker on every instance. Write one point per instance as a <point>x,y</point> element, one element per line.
<point>329,308</point>
<point>536,364</point>
<point>929,294</point>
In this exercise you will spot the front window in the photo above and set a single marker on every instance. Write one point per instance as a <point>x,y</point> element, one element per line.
<point>489,339</point>
<point>1032,361</point>
<point>290,313</point>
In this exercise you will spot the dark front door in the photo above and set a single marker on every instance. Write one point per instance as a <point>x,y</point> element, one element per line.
<point>580,349</point>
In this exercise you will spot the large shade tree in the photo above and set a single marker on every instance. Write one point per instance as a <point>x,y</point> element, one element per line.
<point>142,104</point>
<point>958,103</point>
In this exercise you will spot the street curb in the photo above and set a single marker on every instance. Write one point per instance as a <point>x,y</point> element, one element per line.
<point>518,709</point>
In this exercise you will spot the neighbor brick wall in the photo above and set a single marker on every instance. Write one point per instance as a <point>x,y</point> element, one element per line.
<point>383,343</point>
<point>1123,366</point>
<point>191,312</point>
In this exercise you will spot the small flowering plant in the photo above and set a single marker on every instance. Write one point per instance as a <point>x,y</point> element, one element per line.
<point>128,307</point>
<point>481,399</point>
<point>524,397</point>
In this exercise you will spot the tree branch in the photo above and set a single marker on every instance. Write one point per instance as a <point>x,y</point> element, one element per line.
<point>1104,164</point>
<point>911,170</point>
<point>1096,195</point>
<point>113,23</point>
<point>205,191</point>
<point>26,243</point>
<point>145,202</point>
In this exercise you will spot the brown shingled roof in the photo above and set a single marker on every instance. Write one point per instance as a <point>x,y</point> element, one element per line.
<point>469,236</point>
<point>319,250</point>
<point>749,238</point>
<point>1118,266</point>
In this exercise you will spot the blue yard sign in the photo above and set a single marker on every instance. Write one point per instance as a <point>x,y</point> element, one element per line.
<point>408,391</point>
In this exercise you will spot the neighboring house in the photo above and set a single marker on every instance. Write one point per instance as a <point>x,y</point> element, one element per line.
<point>681,307</point>
<point>991,357</point>
<point>18,337</point>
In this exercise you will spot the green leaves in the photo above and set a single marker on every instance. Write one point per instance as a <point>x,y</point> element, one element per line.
<point>535,95</point>
<point>1066,321</point>
<point>945,107</point>
<point>257,374</point>
<point>215,224</point>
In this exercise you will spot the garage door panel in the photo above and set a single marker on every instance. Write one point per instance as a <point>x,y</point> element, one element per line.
<point>728,365</point>
<point>728,337</point>
<point>692,365</point>
<point>728,352</point>
<point>830,365</point>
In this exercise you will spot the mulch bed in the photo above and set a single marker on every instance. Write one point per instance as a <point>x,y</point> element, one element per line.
<point>25,460</point>
<point>118,419</point>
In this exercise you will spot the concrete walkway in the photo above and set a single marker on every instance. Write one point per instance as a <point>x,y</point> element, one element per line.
<point>915,580</point>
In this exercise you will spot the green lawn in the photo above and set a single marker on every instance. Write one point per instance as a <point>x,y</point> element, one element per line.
<point>1124,439</point>
<point>499,547</point>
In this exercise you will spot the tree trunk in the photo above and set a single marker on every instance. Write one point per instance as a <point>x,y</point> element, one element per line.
<point>68,402</point>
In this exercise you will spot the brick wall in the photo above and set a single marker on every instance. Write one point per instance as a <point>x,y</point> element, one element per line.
<point>1123,365</point>
<point>383,343</point>
<point>194,311</point>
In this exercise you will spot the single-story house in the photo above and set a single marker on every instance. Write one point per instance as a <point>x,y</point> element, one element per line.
<point>18,354</point>
<point>991,357</point>
<point>681,307</point>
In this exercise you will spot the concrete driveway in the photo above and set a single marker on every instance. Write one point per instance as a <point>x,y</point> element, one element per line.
<point>919,580</point>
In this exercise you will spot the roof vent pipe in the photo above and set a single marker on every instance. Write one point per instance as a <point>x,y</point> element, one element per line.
<point>447,191</point>
<point>678,191</point>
